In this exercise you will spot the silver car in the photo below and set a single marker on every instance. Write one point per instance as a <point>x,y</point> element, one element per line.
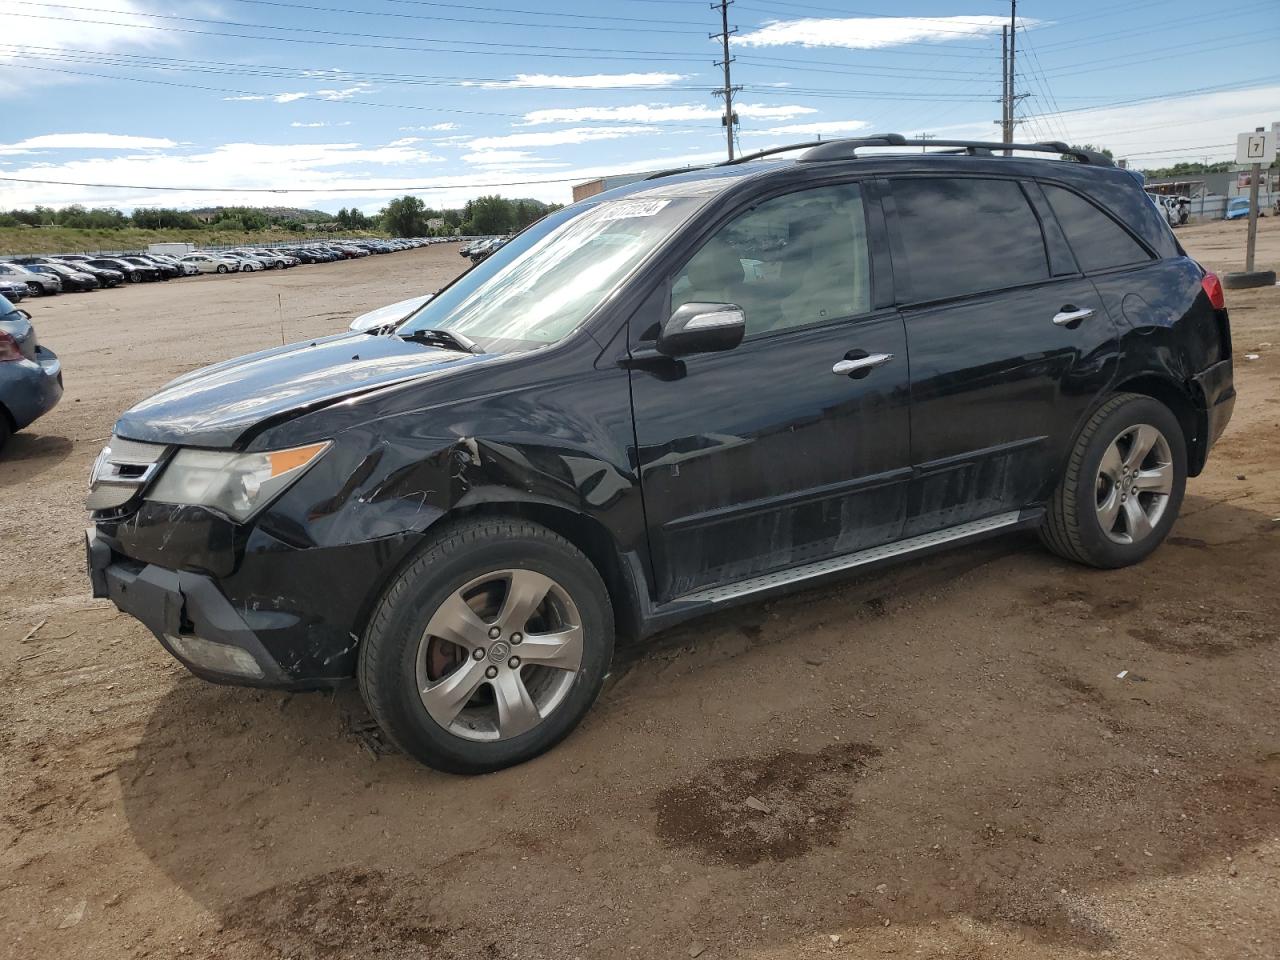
<point>40,284</point>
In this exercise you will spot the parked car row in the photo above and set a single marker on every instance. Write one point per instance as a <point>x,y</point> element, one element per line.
<point>479,250</point>
<point>45,276</point>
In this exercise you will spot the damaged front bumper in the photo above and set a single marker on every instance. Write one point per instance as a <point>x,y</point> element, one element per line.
<point>188,615</point>
<point>282,618</point>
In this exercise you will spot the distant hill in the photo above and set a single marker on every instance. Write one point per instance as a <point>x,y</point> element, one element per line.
<point>272,213</point>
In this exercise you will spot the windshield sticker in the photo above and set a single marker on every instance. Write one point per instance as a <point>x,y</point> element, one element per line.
<point>626,209</point>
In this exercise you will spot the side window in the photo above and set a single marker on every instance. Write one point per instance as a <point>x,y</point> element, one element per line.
<point>966,236</point>
<point>1097,241</point>
<point>794,260</point>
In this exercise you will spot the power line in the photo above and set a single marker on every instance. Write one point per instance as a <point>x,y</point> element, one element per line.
<point>1217,88</point>
<point>345,10</point>
<point>408,188</point>
<point>301,74</point>
<point>488,22</point>
<point>543,13</point>
<point>572,53</point>
<point>267,96</point>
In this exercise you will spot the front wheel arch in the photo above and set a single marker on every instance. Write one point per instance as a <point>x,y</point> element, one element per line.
<point>587,535</point>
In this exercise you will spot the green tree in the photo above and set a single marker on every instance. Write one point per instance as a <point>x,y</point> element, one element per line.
<point>1090,147</point>
<point>491,214</point>
<point>405,217</point>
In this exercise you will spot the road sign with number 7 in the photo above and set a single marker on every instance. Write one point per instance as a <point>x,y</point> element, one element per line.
<point>1256,147</point>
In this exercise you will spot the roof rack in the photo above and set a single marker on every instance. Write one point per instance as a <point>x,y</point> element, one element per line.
<point>846,149</point>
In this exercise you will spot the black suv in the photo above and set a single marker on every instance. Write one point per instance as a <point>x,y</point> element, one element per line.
<point>688,392</point>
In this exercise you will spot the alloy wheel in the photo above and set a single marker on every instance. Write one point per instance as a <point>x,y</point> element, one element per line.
<point>1135,479</point>
<point>499,655</point>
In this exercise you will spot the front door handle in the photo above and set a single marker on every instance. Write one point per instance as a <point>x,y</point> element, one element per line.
<point>1069,315</point>
<point>863,365</point>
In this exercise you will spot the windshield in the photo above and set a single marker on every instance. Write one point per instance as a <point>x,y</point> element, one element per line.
<point>540,286</point>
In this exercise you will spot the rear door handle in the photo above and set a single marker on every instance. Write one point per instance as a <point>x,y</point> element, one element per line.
<point>1069,315</point>
<point>847,368</point>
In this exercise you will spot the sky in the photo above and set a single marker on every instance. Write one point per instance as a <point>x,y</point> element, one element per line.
<point>354,102</point>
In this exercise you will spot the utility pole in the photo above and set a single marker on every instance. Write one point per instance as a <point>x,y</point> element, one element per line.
<point>926,136</point>
<point>1009,96</point>
<point>1006,130</point>
<point>728,90</point>
<point>1013,59</point>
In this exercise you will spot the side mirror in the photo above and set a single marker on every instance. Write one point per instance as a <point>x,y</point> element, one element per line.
<point>702,328</point>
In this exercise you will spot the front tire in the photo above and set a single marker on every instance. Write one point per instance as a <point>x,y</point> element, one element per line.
<point>489,648</point>
<point>222,268</point>
<point>1123,485</point>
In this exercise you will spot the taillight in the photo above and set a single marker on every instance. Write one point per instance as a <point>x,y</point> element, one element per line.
<point>9,347</point>
<point>1213,287</point>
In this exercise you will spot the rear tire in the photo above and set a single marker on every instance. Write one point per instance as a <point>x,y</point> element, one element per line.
<point>6,429</point>
<point>530,639</point>
<point>1123,485</point>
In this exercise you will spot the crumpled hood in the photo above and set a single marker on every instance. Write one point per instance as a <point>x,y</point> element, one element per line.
<point>214,406</point>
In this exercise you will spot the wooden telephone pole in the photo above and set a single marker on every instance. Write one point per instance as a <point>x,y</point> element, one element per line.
<point>729,119</point>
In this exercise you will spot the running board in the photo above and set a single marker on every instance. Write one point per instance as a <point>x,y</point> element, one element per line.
<point>742,588</point>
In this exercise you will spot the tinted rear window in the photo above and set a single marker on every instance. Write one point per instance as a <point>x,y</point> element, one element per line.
<point>1097,241</point>
<point>966,236</point>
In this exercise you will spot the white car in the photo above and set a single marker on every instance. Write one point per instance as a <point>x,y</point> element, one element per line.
<point>390,315</point>
<point>211,263</point>
<point>247,264</point>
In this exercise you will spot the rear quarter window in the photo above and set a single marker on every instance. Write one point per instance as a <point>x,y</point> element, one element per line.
<point>1098,241</point>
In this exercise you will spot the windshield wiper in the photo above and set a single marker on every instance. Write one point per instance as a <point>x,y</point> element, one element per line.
<point>443,338</point>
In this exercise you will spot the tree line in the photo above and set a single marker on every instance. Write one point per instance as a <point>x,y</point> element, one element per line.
<point>406,216</point>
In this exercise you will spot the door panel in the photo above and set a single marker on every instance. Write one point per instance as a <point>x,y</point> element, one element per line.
<point>1009,345</point>
<point>997,391</point>
<point>761,458</point>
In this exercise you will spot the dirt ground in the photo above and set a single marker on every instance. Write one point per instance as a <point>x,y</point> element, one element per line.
<point>943,760</point>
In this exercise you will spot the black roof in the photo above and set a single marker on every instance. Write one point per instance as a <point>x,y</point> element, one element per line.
<point>950,154</point>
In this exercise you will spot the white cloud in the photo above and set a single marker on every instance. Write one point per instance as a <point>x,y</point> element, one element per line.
<point>554,138</point>
<point>404,141</point>
<point>870,33</point>
<point>54,27</point>
<point>237,166</point>
<point>819,128</point>
<point>320,123</point>
<point>509,161</point>
<point>85,141</point>
<point>661,113</point>
<point>594,81</point>
<point>434,127</point>
<point>346,93</point>
<point>1156,133</point>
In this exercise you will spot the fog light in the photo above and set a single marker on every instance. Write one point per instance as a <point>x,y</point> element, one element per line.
<point>216,657</point>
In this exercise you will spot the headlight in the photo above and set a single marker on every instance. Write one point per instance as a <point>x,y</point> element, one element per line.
<point>237,484</point>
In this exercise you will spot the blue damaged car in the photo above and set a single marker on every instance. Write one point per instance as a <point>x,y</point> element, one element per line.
<point>30,375</point>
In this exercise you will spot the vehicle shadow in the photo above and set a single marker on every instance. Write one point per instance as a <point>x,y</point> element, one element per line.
<point>946,739</point>
<point>28,455</point>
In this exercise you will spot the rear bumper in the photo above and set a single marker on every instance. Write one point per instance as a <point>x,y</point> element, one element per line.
<point>32,388</point>
<point>1217,388</point>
